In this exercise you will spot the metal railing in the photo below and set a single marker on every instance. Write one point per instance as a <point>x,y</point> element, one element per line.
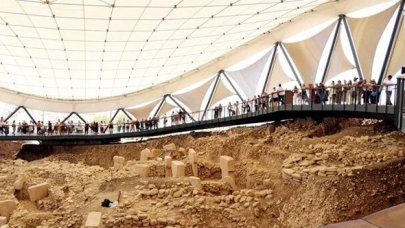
<point>369,98</point>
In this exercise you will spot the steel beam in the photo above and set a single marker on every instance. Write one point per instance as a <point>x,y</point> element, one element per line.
<point>125,112</point>
<point>332,49</point>
<point>353,48</point>
<point>393,41</point>
<point>160,105</point>
<point>74,113</point>
<point>182,108</point>
<point>26,111</point>
<point>211,95</point>
<point>271,66</point>
<point>290,63</point>
<point>232,85</point>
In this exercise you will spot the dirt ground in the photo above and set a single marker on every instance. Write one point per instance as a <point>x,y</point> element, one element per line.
<point>291,174</point>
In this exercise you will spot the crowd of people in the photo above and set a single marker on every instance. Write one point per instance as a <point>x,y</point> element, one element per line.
<point>346,92</point>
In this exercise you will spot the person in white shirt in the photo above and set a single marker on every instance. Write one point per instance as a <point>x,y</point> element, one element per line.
<point>389,87</point>
<point>281,94</point>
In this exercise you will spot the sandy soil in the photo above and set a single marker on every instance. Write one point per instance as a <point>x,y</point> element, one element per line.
<point>293,174</point>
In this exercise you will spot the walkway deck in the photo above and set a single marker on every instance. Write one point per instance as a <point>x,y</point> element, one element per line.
<point>278,113</point>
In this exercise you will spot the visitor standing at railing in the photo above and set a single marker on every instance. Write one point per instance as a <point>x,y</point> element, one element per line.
<point>281,93</point>
<point>389,87</point>
<point>13,125</point>
<point>332,93</point>
<point>346,91</point>
<point>322,93</point>
<point>1,125</point>
<point>374,92</point>
<point>296,96</point>
<point>358,87</point>
<point>339,92</point>
<point>304,94</point>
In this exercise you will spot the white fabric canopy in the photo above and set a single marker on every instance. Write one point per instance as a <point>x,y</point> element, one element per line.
<point>252,44</point>
<point>277,76</point>
<point>398,55</point>
<point>165,108</point>
<point>307,54</point>
<point>221,92</point>
<point>338,62</point>
<point>193,99</point>
<point>366,33</point>
<point>144,112</point>
<point>248,78</point>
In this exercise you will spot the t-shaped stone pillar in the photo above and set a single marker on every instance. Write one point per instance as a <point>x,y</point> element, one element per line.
<point>168,166</point>
<point>145,154</point>
<point>119,162</point>
<point>227,165</point>
<point>178,169</point>
<point>192,156</point>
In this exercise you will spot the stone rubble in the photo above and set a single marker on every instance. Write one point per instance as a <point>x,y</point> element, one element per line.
<point>241,178</point>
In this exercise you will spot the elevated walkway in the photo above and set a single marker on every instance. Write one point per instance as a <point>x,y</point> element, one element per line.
<point>277,113</point>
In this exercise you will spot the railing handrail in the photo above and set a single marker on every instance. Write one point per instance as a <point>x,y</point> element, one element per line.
<point>256,104</point>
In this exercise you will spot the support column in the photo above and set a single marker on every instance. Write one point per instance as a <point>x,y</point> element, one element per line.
<point>332,49</point>
<point>353,48</point>
<point>393,40</point>
<point>233,87</point>
<point>116,113</point>
<point>182,108</point>
<point>74,113</point>
<point>290,63</point>
<point>211,95</point>
<point>268,75</point>
<point>26,111</point>
<point>160,105</point>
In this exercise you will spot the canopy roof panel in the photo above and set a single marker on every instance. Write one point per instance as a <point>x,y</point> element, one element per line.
<point>100,55</point>
<point>74,49</point>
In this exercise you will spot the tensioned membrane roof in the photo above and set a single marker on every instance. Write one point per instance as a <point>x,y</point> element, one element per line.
<point>91,49</point>
<point>101,55</point>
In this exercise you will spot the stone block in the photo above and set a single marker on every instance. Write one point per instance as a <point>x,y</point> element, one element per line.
<point>194,168</point>
<point>195,182</point>
<point>3,220</point>
<point>192,156</point>
<point>168,161</point>
<point>119,159</point>
<point>19,183</point>
<point>93,220</point>
<point>170,147</point>
<point>38,191</point>
<point>178,169</point>
<point>145,154</point>
<point>155,153</point>
<point>227,165</point>
<point>142,170</point>
<point>168,172</point>
<point>7,207</point>
<point>230,180</point>
<point>119,162</point>
<point>3,178</point>
<point>4,226</point>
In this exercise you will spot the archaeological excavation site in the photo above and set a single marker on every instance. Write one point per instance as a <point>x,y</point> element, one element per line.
<point>299,173</point>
